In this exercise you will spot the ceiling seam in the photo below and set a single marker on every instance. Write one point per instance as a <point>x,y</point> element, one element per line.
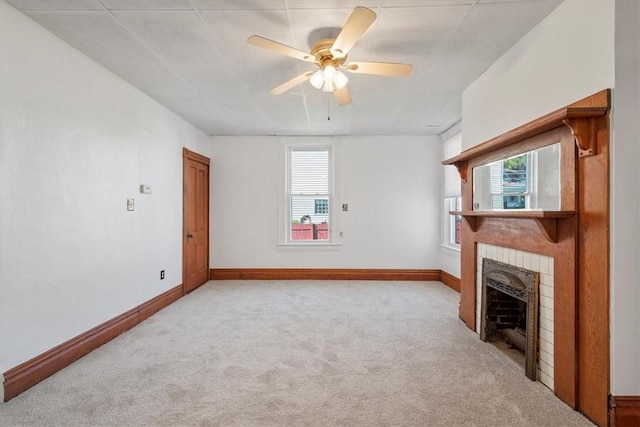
<point>214,40</point>
<point>445,45</point>
<point>298,65</point>
<point>147,48</point>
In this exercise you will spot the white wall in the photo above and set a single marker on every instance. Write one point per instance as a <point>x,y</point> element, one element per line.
<point>568,56</point>
<point>625,197</point>
<point>391,183</point>
<point>76,142</point>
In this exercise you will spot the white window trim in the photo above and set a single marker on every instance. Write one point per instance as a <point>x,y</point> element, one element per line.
<point>335,238</point>
<point>447,230</point>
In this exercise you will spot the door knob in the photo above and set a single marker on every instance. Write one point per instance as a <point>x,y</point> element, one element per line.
<point>189,235</point>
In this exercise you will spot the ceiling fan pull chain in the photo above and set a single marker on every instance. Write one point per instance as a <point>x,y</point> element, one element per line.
<point>328,109</point>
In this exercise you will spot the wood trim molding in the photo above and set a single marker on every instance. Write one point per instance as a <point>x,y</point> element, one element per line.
<point>450,280</point>
<point>31,372</point>
<point>624,411</point>
<point>188,154</point>
<point>585,132</point>
<point>154,305</point>
<point>321,274</point>
<point>545,220</point>
<point>594,106</point>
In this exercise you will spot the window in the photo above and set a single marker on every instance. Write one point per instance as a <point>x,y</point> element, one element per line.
<point>452,225</point>
<point>321,207</point>
<point>452,201</point>
<point>309,194</point>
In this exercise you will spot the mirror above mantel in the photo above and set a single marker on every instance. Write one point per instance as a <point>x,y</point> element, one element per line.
<point>530,180</point>
<point>576,129</point>
<point>526,181</point>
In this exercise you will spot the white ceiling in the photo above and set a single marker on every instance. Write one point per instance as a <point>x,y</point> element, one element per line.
<point>192,57</point>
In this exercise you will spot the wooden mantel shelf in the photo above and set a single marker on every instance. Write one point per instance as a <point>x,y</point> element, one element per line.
<point>581,117</point>
<point>546,220</point>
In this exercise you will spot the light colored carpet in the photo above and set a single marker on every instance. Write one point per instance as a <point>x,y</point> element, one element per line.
<point>296,353</point>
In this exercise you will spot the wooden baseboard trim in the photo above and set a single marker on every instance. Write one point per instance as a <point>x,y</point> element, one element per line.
<point>624,411</point>
<point>321,274</point>
<point>450,280</point>
<point>163,300</point>
<point>31,372</point>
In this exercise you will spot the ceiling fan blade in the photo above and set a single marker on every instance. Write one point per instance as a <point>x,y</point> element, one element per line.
<point>342,96</point>
<point>291,83</point>
<point>280,48</point>
<point>380,68</point>
<point>361,18</point>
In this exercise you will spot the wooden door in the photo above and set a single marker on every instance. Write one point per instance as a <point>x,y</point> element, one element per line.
<point>195,205</point>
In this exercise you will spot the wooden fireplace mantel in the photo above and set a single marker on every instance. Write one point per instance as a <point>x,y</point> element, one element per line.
<point>581,117</point>
<point>545,220</point>
<point>576,237</point>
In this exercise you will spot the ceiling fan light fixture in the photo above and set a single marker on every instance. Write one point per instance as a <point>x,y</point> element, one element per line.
<point>330,73</point>
<point>328,79</point>
<point>341,80</point>
<point>330,55</point>
<point>317,79</point>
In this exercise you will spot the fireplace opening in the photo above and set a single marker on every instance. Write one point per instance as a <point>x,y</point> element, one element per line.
<point>509,310</point>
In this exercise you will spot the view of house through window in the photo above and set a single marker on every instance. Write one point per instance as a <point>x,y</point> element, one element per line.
<point>526,181</point>
<point>309,194</point>
<point>509,183</point>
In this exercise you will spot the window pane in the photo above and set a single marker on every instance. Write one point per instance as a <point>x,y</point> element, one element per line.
<point>321,206</point>
<point>458,220</point>
<point>305,223</point>
<point>309,172</point>
<point>303,208</point>
<point>309,195</point>
<point>453,222</point>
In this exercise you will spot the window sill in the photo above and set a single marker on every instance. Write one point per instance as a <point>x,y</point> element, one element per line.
<point>451,248</point>
<point>308,246</point>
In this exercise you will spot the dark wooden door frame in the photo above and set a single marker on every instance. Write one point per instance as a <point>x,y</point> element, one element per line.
<point>188,155</point>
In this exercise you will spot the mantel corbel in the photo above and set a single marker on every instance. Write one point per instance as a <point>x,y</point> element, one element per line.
<point>584,130</point>
<point>462,169</point>
<point>548,227</point>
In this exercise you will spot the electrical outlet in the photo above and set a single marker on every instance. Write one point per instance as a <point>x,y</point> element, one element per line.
<point>130,204</point>
<point>161,274</point>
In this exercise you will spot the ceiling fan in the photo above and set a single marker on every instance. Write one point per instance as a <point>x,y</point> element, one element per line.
<point>330,56</point>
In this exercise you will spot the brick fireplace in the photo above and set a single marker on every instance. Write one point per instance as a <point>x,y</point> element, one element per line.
<point>567,246</point>
<point>542,266</point>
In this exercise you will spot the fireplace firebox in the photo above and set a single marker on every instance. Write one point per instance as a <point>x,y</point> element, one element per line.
<point>509,308</point>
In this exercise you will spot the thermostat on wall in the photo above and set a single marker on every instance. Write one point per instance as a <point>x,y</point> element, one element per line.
<point>145,189</point>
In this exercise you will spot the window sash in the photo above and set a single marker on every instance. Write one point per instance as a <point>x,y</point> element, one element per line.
<point>452,222</point>
<point>309,178</point>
